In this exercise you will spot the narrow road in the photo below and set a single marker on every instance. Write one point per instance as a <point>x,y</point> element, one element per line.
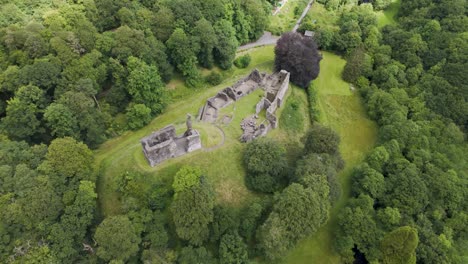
<point>299,21</point>
<point>266,39</point>
<point>270,39</point>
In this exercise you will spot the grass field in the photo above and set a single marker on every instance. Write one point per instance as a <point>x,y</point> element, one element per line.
<point>222,165</point>
<point>387,16</point>
<point>285,20</point>
<point>343,111</point>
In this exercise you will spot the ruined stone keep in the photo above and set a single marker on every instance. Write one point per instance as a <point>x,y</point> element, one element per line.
<point>165,144</point>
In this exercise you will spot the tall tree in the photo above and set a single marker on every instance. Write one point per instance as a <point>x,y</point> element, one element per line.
<point>225,51</point>
<point>299,56</point>
<point>399,246</point>
<point>117,239</point>
<point>192,212</point>
<point>208,40</point>
<point>145,85</point>
<point>183,55</point>
<point>297,212</point>
<point>266,165</point>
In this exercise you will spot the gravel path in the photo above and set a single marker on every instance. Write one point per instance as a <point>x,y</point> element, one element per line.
<point>269,39</point>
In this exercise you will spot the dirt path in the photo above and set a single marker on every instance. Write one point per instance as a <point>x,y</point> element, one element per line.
<point>270,39</point>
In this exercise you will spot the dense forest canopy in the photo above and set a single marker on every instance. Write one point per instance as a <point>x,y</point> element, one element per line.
<point>411,77</point>
<point>69,67</point>
<point>75,73</point>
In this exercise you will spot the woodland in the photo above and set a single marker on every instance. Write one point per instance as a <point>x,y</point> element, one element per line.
<point>80,77</point>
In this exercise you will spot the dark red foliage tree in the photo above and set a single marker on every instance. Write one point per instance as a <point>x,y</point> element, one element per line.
<point>298,55</point>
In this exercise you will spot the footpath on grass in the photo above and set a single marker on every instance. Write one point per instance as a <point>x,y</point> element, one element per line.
<point>342,110</point>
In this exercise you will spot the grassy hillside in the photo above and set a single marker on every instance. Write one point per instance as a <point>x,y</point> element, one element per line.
<point>222,163</point>
<point>341,109</point>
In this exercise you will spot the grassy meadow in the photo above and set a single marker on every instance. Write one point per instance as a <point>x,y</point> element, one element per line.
<point>342,110</point>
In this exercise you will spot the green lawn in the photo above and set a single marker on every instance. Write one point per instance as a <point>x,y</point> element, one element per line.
<point>343,111</point>
<point>387,16</point>
<point>222,166</point>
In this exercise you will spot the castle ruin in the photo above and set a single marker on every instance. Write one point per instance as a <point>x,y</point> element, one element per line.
<point>275,86</point>
<point>165,144</point>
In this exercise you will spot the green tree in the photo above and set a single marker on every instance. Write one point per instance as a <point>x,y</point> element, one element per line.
<point>225,51</point>
<point>190,255</point>
<point>183,55</point>
<point>69,233</point>
<point>138,116</point>
<point>357,64</point>
<point>225,220</point>
<point>21,121</point>
<point>61,121</point>
<point>43,73</point>
<point>256,16</point>
<point>186,178</point>
<point>232,249</point>
<point>41,205</point>
<point>297,212</point>
<point>165,21</point>
<point>250,220</point>
<point>398,246</point>
<point>192,212</point>
<point>208,40</point>
<point>117,239</point>
<point>369,181</point>
<point>321,140</point>
<point>145,85</point>
<point>68,162</point>
<point>265,164</point>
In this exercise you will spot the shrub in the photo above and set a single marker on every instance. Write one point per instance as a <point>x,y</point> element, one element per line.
<point>214,78</point>
<point>321,140</point>
<point>313,109</point>
<point>242,61</point>
<point>138,115</point>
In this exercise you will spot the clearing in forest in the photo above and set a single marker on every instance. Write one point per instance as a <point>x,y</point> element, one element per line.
<point>342,110</point>
<point>221,159</point>
<point>387,16</point>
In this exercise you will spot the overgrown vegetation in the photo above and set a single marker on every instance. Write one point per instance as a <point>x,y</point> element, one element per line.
<point>68,69</point>
<point>84,71</point>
